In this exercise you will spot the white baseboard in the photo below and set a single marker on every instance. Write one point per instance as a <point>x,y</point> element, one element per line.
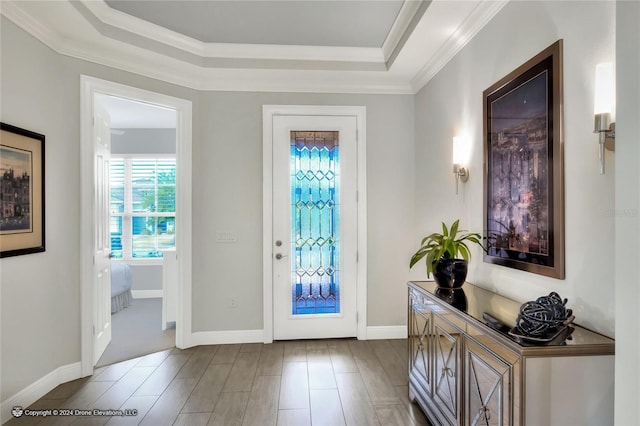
<point>40,388</point>
<point>387,332</point>
<point>146,294</point>
<point>226,337</point>
<point>257,336</point>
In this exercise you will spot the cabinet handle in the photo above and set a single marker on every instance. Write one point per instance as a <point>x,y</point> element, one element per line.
<point>484,411</point>
<point>448,372</point>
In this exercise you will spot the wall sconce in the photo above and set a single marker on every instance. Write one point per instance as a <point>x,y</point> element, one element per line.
<point>603,108</point>
<point>460,148</point>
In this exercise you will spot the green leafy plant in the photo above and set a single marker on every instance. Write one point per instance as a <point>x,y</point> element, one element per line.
<point>450,244</point>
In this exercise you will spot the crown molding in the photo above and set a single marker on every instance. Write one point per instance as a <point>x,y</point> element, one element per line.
<point>473,23</point>
<point>115,18</point>
<point>122,56</point>
<point>401,26</point>
<point>89,45</point>
<point>142,62</point>
<point>31,25</point>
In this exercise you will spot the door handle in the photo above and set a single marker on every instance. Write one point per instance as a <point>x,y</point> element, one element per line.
<point>280,256</point>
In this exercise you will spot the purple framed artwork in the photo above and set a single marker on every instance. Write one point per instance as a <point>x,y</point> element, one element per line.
<point>523,167</point>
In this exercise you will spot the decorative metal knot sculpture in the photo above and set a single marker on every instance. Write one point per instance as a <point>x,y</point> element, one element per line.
<point>543,316</point>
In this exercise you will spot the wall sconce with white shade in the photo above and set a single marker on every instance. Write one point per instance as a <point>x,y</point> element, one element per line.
<point>604,101</point>
<point>460,150</point>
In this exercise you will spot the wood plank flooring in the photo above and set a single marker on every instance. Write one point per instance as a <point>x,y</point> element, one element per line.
<point>313,382</point>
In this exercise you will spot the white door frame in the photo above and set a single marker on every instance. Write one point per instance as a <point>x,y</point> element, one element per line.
<point>90,86</point>
<point>268,112</point>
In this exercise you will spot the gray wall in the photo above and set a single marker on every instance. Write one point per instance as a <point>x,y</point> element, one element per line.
<point>143,141</point>
<point>627,236</point>
<point>146,277</point>
<point>40,311</point>
<point>452,102</point>
<point>41,292</point>
<point>227,191</point>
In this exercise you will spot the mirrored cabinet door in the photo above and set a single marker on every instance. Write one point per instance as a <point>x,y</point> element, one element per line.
<point>420,349</point>
<point>446,368</point>
<point>488,382</point>
<point>420,337</point>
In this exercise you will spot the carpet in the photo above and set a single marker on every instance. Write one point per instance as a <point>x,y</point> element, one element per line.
<point>136,331</point>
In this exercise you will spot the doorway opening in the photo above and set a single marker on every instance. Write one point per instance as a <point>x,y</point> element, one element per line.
<point>146,216</point>
<point>142,232</point>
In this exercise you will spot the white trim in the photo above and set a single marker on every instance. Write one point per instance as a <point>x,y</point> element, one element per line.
<point>89,86</point>
<point>227,337</point>
<point>400,27</point>
<point>481,15</point>
<point>303,69</point>
<point>362,283</point>
<point>40,388</point>
<point>267,222</point>
<point>387,332</point>
<point>127,57</point>
<point>147,294</point>
<point>268,112</point>
<point>31,25</point>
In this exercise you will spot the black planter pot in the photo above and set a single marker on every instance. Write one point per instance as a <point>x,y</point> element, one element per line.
<point>450,273</point>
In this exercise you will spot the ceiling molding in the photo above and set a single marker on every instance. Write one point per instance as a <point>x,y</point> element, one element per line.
<point>473,23</point>
<point>402,26</point>
<point>87,43</point>
<point>31,25</point>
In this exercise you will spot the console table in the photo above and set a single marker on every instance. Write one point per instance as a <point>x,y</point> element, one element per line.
<point>466,369</point>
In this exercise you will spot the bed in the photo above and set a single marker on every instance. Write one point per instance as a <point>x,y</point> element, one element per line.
<point>120,286</point>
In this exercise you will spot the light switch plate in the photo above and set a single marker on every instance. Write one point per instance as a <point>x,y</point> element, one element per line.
<point>225,237</point>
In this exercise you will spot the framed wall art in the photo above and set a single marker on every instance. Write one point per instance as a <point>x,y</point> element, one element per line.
<point>523,167</point>
<point>22,218</point>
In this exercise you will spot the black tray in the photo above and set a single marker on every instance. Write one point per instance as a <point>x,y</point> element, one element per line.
<point>554,337</point>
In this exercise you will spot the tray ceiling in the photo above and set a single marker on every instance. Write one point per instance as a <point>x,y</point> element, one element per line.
<point>308,23</point>
<point>361,46</point>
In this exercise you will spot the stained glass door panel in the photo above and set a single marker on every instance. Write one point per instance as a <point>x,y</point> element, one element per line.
<point>315,219</point>
<point>314,227</point>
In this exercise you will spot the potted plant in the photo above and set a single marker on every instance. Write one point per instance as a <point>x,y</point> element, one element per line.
<point>447,255</point>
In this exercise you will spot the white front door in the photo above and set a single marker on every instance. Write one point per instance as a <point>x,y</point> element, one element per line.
<point>315,218</point>
<point>102,240</point>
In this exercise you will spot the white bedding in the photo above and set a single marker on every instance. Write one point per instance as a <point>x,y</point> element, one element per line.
<point>120,286</point>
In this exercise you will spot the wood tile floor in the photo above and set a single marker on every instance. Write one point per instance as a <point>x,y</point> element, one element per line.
<point>313,382</point>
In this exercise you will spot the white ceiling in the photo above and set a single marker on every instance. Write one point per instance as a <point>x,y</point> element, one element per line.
<point>330,46</point>
<point>128,114</point>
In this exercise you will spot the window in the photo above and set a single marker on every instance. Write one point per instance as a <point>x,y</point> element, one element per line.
<point>143,207</point>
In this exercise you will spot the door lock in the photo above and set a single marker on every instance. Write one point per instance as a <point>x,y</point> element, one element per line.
<point>278,243</point>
